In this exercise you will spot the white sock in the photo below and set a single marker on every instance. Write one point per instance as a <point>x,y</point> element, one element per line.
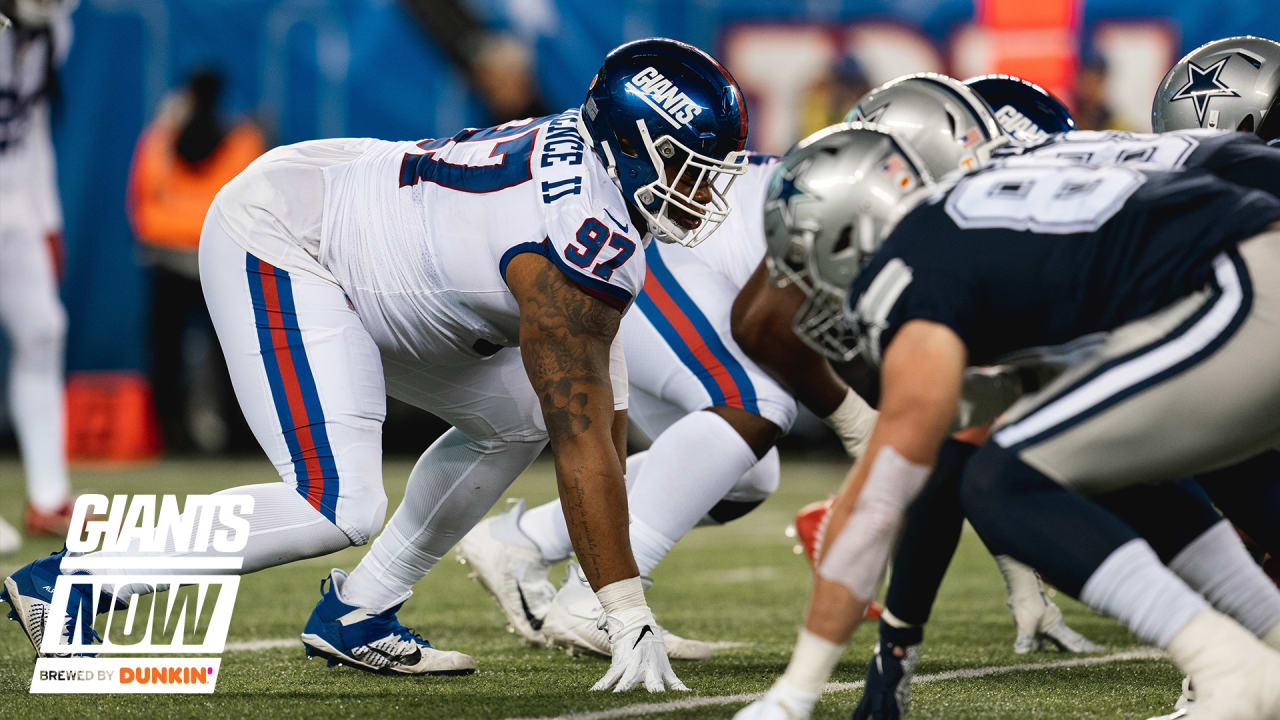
<point>283,528</point>
<point>450,488</point>
<point>692,465</point>
<point>38,407</point>
<point>1133,586</point>
<point>545,524</point>
<point>1217,566</point>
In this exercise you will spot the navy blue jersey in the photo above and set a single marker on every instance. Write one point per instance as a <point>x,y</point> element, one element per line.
<point>1030,253</point>
<point>1241,158</point>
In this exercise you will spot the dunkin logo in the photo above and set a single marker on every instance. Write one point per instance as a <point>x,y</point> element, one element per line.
<point>166,675</point>
<point>664,97</point>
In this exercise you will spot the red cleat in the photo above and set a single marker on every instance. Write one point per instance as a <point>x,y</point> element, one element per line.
<point>806,528</point>
<point>53,524</point>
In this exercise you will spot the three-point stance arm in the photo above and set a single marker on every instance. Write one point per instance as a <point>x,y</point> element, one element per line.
<point>565,336</point>
<point>921,377</point>
<point>761,321</point>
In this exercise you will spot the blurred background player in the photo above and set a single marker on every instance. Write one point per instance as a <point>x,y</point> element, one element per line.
<point>182,159</point>
<point>31,312</point>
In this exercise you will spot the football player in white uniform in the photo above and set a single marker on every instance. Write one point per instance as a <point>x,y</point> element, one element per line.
<point>481,277</point>
<point>31,314</point>
<point>712,413</point>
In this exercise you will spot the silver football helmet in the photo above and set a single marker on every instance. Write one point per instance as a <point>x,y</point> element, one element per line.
<point>1230,84</point>
<point>831,202</point>
<point>945,121</point>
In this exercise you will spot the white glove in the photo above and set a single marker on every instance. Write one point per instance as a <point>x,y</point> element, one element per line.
<point>782,702</point>
<point>639,654</point>
<point>1036,618</point>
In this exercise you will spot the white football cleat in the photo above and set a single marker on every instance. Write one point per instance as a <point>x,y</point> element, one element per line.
<point>10,538</point>
<point>509,565</point>
<point>782,702</point>
<point>572,623</point>
<point>1235,674</point>
<point>1037,619</point>
<point>1181,708</point>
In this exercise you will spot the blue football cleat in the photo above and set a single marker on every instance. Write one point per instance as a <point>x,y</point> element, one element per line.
<point>888,691</point>
<point>29,591</point>
<point>373,640</point>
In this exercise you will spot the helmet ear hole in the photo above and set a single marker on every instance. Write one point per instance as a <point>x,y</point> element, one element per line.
<point>844,240</point>
<point>1269,128</point>
<point>1246,125</point>
<point>625,146</point>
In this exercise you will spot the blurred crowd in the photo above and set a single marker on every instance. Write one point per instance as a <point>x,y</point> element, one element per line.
<point>193,144</point>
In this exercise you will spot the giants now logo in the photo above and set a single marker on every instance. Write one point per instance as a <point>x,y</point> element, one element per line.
<point>663,96</point>
<point>152,569</point>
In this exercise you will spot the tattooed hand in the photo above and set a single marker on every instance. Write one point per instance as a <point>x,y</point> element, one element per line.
<point>564,338</point>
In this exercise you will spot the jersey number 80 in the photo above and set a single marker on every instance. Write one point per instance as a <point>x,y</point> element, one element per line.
<point>1057,200</point>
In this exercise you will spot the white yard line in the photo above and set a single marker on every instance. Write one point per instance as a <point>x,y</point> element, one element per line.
<point>741,575</point>
<point>727,644</point>
<point>695,702</point>
<point>272,644</point>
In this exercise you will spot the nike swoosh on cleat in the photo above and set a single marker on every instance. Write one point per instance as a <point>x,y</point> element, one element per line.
<point>624,228</point>
<point>643,630</point>
<point>534,622</point>
<point>412,658</point>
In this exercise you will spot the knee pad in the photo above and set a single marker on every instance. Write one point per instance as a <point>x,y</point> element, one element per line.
<point>37,339</point>
<point>758,483</point>
<point>753,488</point>
<point>362,517</point>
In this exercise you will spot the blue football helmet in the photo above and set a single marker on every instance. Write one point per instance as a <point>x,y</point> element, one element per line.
<point>670,125</point>
<point>1028,112</point>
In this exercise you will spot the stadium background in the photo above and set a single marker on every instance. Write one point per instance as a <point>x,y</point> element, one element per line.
<point>404,69</point>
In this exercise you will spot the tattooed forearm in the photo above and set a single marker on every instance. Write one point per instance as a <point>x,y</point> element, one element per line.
<point>565,336</point>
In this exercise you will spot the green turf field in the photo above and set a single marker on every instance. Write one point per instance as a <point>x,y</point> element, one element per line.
<point>737,584</point>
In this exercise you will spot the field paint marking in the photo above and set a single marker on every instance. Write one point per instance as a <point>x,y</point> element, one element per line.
<point>727,644</point>
<point>695,702</point>
<point>277,643</point>
<point>272,644</point>
<point>741,575</point>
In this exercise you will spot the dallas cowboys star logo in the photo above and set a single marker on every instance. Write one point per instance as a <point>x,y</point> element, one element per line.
<point>791,192</point>
<point>1202,85</point>
<point>871,117</point>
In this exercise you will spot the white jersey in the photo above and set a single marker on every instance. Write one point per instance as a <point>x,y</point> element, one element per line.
<point>27,174</point>
<point>737,246</point>
<point>419,235</point>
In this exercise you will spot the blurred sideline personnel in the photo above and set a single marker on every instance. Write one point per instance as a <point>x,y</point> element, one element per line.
<point>181,161</point>
<point>497,65</point>
<point>1092,110</point>
<point>1170,383</point>
<point>828,98</point>
<point>482,278</point>
<point>31,313</point>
